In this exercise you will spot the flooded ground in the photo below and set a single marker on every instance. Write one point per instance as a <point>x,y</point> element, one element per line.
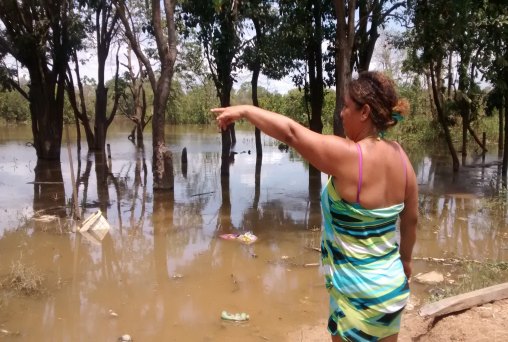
<point>163,273</point>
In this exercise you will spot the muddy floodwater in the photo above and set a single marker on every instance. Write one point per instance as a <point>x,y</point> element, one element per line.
<point>163,272</point>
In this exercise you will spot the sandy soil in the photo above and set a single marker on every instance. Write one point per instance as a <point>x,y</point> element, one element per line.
<point>488,322</point>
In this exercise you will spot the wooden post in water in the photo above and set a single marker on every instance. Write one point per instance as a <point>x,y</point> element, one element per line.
<point>184,162</point>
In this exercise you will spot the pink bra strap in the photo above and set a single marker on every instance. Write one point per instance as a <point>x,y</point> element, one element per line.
<point>403,162</point>
<point>360,172</point>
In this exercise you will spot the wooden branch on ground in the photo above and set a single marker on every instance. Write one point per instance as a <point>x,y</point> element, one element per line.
<point>465,301</point>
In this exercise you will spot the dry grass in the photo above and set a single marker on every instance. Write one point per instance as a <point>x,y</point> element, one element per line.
<point>24,279</point>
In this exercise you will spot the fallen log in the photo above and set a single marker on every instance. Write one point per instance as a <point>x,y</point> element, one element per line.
<point>465,301</point>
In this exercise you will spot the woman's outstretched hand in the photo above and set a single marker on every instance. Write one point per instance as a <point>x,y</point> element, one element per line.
<point>228,115</point>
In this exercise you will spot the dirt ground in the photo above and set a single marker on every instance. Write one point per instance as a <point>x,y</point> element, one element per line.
<point>488,322</point>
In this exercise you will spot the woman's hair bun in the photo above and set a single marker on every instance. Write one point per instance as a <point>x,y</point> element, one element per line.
<point>402,107</point>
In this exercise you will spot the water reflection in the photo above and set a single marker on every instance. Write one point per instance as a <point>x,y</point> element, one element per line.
<point>49,191</point>
<point>163,268</point>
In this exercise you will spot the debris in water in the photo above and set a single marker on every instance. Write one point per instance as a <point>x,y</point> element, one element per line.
<point>246,238</point>
<point>95,228</point>
<point>236,317</point>
<point>125,338</point>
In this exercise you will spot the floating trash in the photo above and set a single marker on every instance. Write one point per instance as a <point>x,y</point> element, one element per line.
<point>45,218</point>
<point>236,317</point>
<point>246,238</point>
<point>95,228</point>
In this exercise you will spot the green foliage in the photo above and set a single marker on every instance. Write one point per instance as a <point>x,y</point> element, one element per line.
<point>193,105</point>
<point>416,95</point>
<point>14,107</point>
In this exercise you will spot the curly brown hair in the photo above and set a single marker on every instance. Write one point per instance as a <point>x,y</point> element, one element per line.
<point>378,91</point>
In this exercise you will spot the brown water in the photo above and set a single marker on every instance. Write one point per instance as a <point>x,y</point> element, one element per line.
<point>162,273</point>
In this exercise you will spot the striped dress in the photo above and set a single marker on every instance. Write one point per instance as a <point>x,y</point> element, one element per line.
<point>363,271</point>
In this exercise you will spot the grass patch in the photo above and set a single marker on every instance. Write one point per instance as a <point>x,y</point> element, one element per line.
<point>24,279</point>
<point>474,276</point>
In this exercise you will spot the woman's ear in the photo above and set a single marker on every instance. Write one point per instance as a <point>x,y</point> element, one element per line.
<point>365,112</point>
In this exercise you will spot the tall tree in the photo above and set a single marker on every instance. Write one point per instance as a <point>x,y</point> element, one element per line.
<point>41,35</point>
<point>494,25</point>
<point>106,20</point>
<point>262,55</point>
<point>465,17</point>
<point>134,99</point>
<point>428,42</point>
<point>102,23</point>
<point>216,24</point>
<point>163,27</point>
<point>357,32</point>
<point>307,25</point>
<point>372,16</point>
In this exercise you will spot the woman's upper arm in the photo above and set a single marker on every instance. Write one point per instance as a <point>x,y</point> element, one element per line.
<point>324,152</point>
<point>409,215</point>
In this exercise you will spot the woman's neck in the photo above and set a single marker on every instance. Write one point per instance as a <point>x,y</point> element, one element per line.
<point>367,134</point>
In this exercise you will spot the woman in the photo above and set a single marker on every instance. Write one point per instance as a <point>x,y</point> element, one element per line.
<point>371,184</point>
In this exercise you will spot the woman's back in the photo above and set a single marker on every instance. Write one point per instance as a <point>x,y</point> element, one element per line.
<point>378,178</point>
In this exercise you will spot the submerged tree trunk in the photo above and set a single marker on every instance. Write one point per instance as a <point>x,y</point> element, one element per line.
<point>314,219</point>
<point>226,140</point>
<point>49,190</point>
<point>163,176</point>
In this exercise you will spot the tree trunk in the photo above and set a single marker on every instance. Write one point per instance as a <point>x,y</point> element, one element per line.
<point>101,102</point>
<point>101,92</point>
<point>226,138</point>
<point>450,74</point>
<point>463,100</point>
<point>315,62</point>
<point>505,154</point>
<point>78,134</point>
<point>254,82</point>
<point>432,105</point>
<point>163,177</point>
<point>500,141</point>
<point>81,111</point>
<point>435,73</point>
<point>46,110</point>
<point>343,42</point>
<point>477,139</point>
<point>257,132</point>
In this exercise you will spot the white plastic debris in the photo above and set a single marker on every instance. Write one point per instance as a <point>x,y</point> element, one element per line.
<point>95,227</point>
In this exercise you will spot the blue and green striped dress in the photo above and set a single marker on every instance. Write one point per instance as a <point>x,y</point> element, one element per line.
<point>363,271</point>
